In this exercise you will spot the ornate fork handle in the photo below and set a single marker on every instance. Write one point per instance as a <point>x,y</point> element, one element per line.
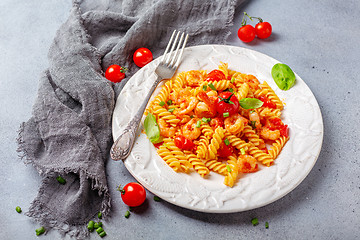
<point>125,142</point>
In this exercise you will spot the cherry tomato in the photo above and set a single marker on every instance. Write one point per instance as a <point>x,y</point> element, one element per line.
<point>142,56</point>
<point>227,102</point>
<point>183,143</point>
<point>267,102</point>
<point>246,33</point>
<point>133,194</point>
<point>225,150</point>
<point>115,73</point>
<point>215,75</point>
<point>276,123</point>
<point>263,30</point>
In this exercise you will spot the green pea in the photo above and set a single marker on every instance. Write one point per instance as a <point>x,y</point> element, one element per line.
<point>283,76</point>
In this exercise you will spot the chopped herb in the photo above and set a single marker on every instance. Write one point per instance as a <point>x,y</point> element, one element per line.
<point>254,221</point>
<point>162,103</point>
<point>206,120</point>
<point>226,141</point>
<point>97,225</point>
<point>127,214</point>
<point>39,231</point>
<point>228,168</point>
<point>171,109</point>
<point>169,102</point>
<point>61,180</point>
<point>102,234</point>
<point>242,150</point>
<point>251,111</point>
<point>99,230</point>
<point>192,116</point>
<point>100,215</point>
<point>157,199</point>
<point>18,209</point>
<point>226,114</point>
<point>91,226</point>
<point>232,80</point>
<point>266,225</point>
<point>198,124</point>
<point>212,86</point>
<point>231,90</point>
<point>253,124</point>
<point>204,87</point>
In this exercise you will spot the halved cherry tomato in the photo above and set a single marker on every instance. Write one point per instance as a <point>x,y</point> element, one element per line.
<point>263,30</point>
<point>183,143</point>
<point>115,73</point>
<point>133,194</point>
<point>267,102</point>
<point>225,150</point>
<point>227,102</point>
<point>215,75</point>
<point>142,56</point>
<point>246,33</point>
<point>276,123</point>
<point>284,131</point>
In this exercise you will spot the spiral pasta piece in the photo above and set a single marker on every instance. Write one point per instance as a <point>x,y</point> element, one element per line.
<point>260,156</point>
<point>185,165</point>
<point>221,85</point>
<point>179,80</point>
<point>197,164</point>
<point>266,112</point>
<point>251,135</point>
<point>163,113</point>
<point>236,142</point>
<point>224,68</point>
<point>216,166</point>
<point>232,171</point>
<point>277,146</point>
<point>215,142</point>
<point>242,91</point>
<point>272,95</point>
<point>202,147</point>
<point>169,158</point>
<point>163,95</point>
<point>206,130</point>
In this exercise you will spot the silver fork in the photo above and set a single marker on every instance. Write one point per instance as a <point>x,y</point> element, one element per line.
<point>165,70</point>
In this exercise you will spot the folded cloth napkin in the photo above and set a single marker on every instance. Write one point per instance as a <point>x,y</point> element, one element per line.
<point>69,133</point>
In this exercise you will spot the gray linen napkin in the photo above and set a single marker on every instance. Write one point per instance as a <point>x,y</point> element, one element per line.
<point>69,133</point>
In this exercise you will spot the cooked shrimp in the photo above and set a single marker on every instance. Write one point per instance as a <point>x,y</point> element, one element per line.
<point>190,131</point>
<point>181,96</point>
<point>235,123</point>
<point>216,122</point>
<point>254,117</point>
<point>189,107</point>
<point>206,108</point>
<point>266,133</point>
<point>165,130</point>
<point>247,164</point>
<point>194,78</point>
<point>252,81</point>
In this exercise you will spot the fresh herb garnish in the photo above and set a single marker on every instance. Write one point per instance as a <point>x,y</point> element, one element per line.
<point>226,141</point>
<point>162,103</point>
<point>169,102</point>
<point>206,120</point>
<point>283,76</point>
<point>198,124</point>
<point>254,221</point>
<point>152,129</point>
<point>250,103</point>
<point>226,114</point>
<point>212,86</point>
<point>228,168</point>
<point>171,109</point>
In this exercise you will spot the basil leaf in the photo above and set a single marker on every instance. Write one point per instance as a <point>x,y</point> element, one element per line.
<point>152,129</point>
<point>250,103</point>
<point>283,76</point>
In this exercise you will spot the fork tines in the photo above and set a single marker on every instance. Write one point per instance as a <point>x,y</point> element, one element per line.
<point>172,59</point>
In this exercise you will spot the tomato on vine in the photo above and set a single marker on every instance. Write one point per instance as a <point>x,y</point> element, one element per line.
<point>227,103</point>
<point>263,29</point>
<point>133,194</point>
<point>115,73</point>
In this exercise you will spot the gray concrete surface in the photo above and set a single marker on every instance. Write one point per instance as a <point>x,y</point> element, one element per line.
<point>318,39</point>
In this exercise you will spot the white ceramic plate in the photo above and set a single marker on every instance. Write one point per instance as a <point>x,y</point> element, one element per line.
<point>254,190</point>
